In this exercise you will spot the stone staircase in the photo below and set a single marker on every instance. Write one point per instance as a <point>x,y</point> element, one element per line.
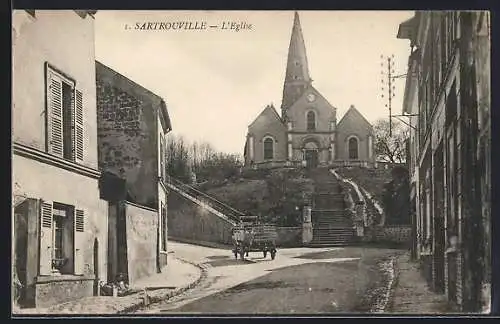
<point>331,225</point>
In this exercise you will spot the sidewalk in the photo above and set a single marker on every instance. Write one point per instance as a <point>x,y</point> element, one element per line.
<point>411,294</point>
<point>175,278</point>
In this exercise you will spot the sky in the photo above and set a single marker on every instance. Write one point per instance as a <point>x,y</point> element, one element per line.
<point>216,81</point>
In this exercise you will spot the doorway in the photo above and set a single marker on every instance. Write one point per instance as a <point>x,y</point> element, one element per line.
<point>311,157</point>
<point>439,217</point>
<point>96,267</point>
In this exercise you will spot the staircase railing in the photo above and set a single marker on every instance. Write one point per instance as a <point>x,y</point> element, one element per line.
<point>220,206</point>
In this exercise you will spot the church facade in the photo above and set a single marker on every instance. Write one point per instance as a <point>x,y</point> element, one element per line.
<point>306,132</point>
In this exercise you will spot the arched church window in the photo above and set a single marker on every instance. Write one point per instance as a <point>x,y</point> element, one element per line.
<point>353,148</point>
<point>268,148</point>
<point>311,120</point>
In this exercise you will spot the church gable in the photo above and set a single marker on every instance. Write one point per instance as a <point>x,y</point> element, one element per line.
<point>311,100</point>
<point>354,137</point>
<point>354,121</point>
<point>268,117</point>
<point>267,126</point>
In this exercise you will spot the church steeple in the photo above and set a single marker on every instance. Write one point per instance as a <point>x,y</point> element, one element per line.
<point>297,72</point>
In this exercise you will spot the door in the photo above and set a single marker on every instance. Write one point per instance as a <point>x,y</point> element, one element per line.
<point>311,158</point>
<point>96,267</point>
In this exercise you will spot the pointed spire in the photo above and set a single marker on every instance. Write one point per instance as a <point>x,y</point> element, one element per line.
<point>297,68</point>
<point>297,72</point>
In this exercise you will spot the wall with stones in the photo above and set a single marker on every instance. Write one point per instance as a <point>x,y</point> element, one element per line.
<point>388,234</point>
<point>289,237</point>
<point>127,134</point>
<point>187,220</point>
<point>49,293</point>
<point>142,233</point>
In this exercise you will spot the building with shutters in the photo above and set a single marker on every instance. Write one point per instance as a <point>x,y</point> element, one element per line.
<point>306,132</point>
<point>132,125</point>
<point>60,222</point>
<point>448,93</point>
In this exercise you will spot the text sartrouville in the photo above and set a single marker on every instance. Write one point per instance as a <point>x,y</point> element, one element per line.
<point>178,25</point>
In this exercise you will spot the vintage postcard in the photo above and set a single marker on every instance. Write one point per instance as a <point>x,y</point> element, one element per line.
<point>251,162</point>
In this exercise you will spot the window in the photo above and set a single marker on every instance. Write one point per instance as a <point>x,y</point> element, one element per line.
<point>353,148</point>
<point>163,228</point>
<point>311,120</point>
<point>65,136</point>
<point>62,227</point>
<point>268,148</point>
<point>59,219</point>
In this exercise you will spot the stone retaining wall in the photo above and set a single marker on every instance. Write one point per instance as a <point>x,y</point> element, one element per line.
<point>388,234</point>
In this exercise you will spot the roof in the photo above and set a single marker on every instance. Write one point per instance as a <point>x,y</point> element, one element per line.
<point>406,29</point>
<point>271,110</point>
<point>350,111</point>
<point>111,77</point>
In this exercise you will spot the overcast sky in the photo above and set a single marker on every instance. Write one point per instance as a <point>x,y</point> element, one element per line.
<point>215,82</point>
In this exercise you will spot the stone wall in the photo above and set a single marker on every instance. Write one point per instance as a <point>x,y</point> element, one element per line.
<point>142,233</point>
<point>127,134</point>
<point>388,234</point>
<point>289,237</point>
<point>53,292</point>
<point>188,220</point>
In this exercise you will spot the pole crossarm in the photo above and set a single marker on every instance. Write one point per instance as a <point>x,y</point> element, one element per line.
<point>399,76</point>
<point>401,120</point>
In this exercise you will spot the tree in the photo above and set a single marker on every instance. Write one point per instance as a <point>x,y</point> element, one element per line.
<point>390,147</point>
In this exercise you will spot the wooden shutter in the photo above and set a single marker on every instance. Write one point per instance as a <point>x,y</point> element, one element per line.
<point>46,240</point>
<point>78,127</point>
<point>80,240</point>
<point>54,114</point>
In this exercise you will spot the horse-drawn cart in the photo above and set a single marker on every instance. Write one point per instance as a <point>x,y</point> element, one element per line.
<point>253,236</point>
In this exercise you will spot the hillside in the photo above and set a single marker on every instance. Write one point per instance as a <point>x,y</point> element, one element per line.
<point>276,195</point>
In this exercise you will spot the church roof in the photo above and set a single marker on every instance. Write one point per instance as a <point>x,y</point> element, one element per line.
<point>269,110</point>
<point>297,70</point>
<point>297,59</point>
<point>350,112</point>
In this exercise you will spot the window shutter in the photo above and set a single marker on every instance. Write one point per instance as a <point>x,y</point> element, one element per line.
<point>46,238</point>
<point>78,129</point>
<point>79,240</point>
<point>54,114</point>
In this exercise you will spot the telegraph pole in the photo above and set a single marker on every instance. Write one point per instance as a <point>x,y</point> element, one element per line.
<point>387,80</point>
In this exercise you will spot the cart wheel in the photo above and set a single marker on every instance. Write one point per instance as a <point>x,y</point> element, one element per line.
<point>273,255</point>
<point>265,254</point>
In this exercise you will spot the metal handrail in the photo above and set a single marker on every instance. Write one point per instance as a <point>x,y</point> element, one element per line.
<point>234,213</point>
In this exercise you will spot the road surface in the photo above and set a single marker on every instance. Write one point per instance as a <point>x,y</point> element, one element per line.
<point>298,281</point>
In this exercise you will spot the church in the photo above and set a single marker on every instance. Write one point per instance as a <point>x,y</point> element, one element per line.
<point>306,133</point>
